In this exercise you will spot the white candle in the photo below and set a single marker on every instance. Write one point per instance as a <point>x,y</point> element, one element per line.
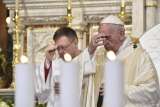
<point>113,95</point>
<point>24,93</point>
<point>69,4</point>
<point>122,3</point>
<point>69,85</point>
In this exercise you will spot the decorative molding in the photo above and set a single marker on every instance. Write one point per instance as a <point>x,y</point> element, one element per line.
<point>59,20</point>
<point>97,18</point>
<point>53,12</point>
<point>33,12</point>
<point>48,4</point>
<point>151,5</point>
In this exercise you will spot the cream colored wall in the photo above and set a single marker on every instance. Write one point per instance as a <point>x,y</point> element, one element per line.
<point>158,11</point>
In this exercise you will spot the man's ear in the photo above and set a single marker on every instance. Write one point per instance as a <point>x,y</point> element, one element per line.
<point>122,33</point>
<point>76,42</point>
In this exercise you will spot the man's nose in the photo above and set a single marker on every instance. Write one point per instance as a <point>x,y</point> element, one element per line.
<point>61,51</point>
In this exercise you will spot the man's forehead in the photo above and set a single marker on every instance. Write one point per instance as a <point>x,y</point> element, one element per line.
<point>105,26</point>
<point>112,19</point>
<point>63,39</point>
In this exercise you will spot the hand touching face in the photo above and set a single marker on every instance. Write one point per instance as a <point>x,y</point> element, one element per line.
<point>50,50</point>
<point>96,40</point>
<point>114,36</point>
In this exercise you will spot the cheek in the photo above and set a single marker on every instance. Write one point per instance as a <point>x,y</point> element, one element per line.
<point>115,38</point>
<point>69,50</point>
<point>118,39</point>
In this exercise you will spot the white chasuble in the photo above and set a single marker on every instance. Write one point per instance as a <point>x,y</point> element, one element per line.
<point>140,77</point>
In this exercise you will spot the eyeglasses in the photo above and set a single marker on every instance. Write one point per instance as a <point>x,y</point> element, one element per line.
<point>64,47</point>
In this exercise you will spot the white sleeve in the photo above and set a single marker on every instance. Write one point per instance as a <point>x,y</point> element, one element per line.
<point>145,89</point>
<point>150,41</point>
<point>89,63</point>
<point>42,89</point>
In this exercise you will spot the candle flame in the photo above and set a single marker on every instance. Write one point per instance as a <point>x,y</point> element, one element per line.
<point>111,55</point>
<point>24,59</point>
<point>67,57</point>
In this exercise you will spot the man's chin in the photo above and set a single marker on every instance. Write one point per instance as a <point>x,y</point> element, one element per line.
<point>62,57</point>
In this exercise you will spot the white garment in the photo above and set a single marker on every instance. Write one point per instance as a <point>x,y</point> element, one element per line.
<point>45,90</point>
<point>141,80</point>
<point>150,42</point>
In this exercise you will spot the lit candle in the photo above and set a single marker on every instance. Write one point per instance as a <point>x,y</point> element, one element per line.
<point>123,3</point>
<point>67,57</point>
<point>24,91</point>
<point>69,4</point>
<point>69,85</point>
<point>113,82</point>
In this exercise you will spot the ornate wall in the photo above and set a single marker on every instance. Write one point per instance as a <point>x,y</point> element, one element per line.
<point>86,13</point>
<point>145,15</point>
<point>37,40</point>
<point>40,18</point>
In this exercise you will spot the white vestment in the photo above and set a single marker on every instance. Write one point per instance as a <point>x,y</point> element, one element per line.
<point>150,41</point>
<point>45,90</point>
<point>141,80</point>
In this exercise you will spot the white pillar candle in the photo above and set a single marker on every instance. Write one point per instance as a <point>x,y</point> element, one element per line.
<point>113,91</point>
<point>69,85</point>
<point>24,93</point>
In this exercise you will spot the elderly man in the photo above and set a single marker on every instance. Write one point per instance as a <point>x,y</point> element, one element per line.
<point>66,41</point>
<point>141,80</point>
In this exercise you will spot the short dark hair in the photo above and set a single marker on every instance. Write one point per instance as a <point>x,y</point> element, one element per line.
<point>65,31</point>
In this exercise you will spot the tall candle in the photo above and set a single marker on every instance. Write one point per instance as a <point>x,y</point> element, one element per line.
<point>122,3</point>
<point>69,4</point>
<point>113,83</point>
<point>69,85</point>
<point>24,91</point>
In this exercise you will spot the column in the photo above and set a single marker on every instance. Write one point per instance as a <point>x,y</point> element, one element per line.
<point>80,39</point>
<point>151,8</point>
<point>138,18</point>
<point>79,26</point>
